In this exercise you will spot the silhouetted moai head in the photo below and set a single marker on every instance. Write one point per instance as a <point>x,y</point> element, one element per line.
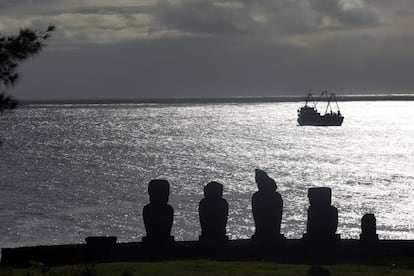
<point>264,182</point>
<point>213,211</point>
<point>213,190</point>
<point>369,228</point>
<point>322,217</point>
<point>159,191</point>
<point>267,208</point>
<point>158,214</point>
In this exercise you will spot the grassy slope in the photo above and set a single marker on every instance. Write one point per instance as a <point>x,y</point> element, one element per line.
<point>202,268</point>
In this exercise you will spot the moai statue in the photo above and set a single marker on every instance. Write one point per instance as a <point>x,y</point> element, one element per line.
<point>322,217</point>
<point>267,207</point>
<point>369,228</point>
<point>158,214</point>
<point>213,211</point>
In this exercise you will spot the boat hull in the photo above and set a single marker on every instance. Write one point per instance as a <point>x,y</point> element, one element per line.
<point>318,120</point>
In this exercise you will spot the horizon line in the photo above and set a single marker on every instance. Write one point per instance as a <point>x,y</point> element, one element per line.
<point>229,99</point>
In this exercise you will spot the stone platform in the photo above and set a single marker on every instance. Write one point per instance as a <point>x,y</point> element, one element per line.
<point>283,251</point>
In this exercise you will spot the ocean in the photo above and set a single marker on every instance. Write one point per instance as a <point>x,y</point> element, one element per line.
<point>72,171</point>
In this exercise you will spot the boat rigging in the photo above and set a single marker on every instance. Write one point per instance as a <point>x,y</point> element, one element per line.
<point>310,116</point>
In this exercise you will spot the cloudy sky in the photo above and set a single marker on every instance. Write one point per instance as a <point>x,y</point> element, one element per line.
<point>212,48</point>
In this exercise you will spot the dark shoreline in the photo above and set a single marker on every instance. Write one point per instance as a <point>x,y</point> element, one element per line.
<point>270,99</point>
<point>294,251</point>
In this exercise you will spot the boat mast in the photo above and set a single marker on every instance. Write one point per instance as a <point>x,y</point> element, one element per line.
<point>332,97</point>
<point>325,95</point>
<point>310,98</point>
<point>328,105</point>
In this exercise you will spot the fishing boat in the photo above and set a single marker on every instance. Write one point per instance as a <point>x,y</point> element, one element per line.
<point>308,115</point>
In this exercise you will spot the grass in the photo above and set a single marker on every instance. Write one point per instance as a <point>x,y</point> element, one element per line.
<point>204,267</point>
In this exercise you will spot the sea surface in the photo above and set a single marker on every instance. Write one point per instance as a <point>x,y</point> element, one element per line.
<point>72,171</point>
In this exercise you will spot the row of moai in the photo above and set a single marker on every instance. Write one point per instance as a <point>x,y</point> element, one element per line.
<point>267,208</point>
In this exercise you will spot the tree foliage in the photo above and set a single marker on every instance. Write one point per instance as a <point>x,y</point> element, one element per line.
<point>13,50</point>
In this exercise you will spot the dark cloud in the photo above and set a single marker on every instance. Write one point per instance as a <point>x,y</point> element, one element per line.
<point>26,4</point>
<point>281,17</point>
<point>223,48</point>
<point>6,3</point>
<point>197,16</point>
<point>234,17</point>
<point>204,67</point>
<point>347,12</point>
<point>276,17</point>
<point>109,10</point>
<point>214,17</point>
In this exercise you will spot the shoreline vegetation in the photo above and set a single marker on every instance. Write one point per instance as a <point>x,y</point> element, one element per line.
<point>219,100</point>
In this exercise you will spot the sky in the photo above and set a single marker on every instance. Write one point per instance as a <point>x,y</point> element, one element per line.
<point>132,49</point>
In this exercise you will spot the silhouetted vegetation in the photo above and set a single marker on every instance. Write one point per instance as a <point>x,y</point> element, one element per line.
<point>15,49</point>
